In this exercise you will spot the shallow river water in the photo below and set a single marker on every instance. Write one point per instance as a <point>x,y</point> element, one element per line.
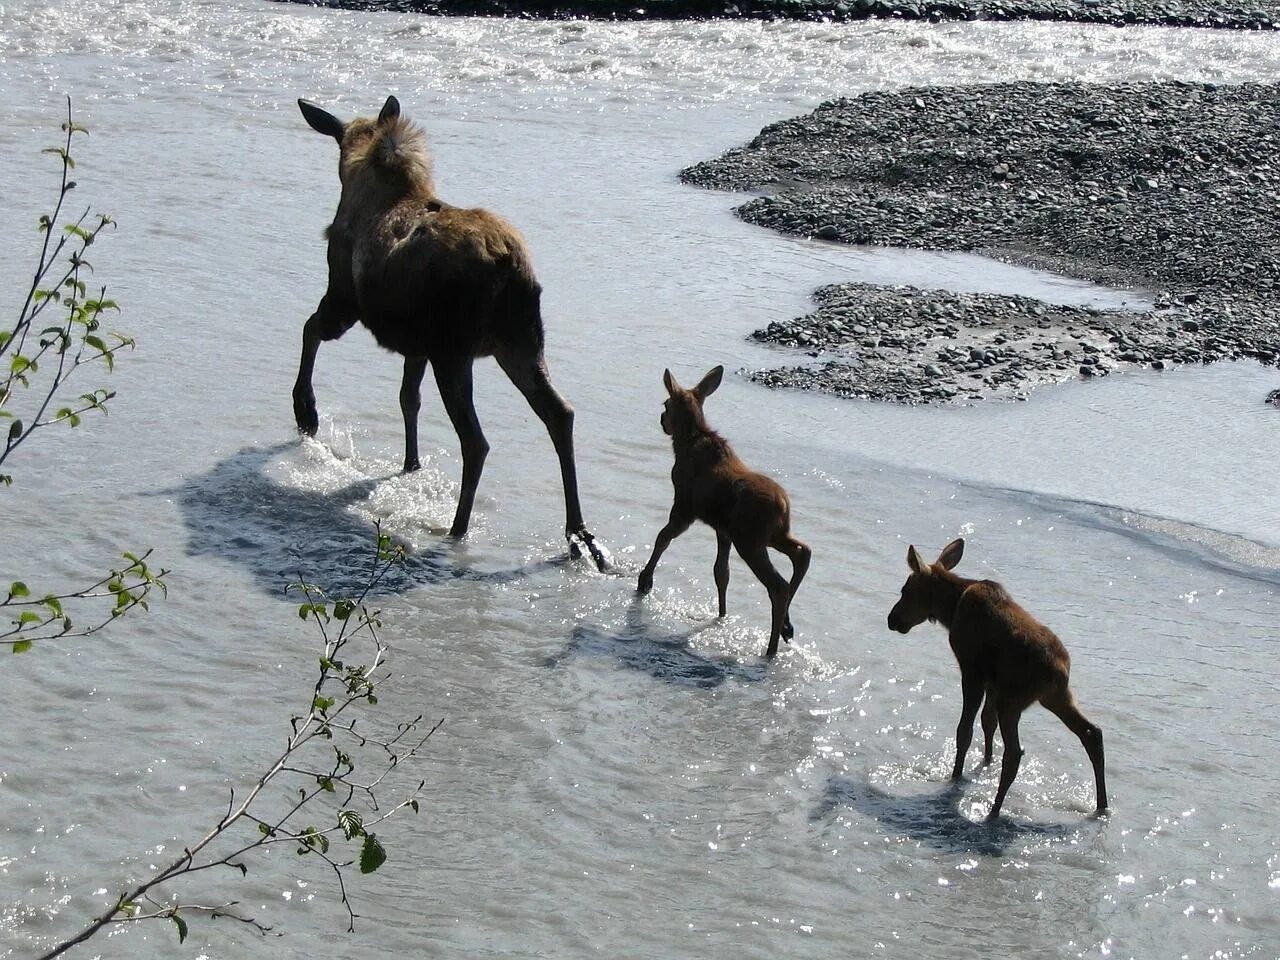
<point>613,777</point>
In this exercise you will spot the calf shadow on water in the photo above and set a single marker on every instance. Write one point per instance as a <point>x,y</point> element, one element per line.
<point>280,533</point>
<point>933,818</point>
<point>638,645</point>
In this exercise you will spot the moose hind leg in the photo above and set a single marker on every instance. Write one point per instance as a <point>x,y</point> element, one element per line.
<point>757,558</point>
<point>1009,715</point>
<point>410,403</point>
<point>1062,704</point>
<point>528,371</point>
<point>453,377</point>
<point>989,721</point>
<point>799,554</point>
<point>327,323</point>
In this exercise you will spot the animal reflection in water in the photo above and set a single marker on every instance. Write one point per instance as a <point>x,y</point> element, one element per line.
<point>745,508</point>
<point>439,285</point>
<point>1005,655</point>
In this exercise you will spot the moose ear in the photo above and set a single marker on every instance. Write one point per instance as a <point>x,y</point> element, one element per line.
<point>707,385</point>
<point>914,562</point>
<point>951,553</point>
<point>390,110</point>
<point>670,382</point>
<point>321,120</point>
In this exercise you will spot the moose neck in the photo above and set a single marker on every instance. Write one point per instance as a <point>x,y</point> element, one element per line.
<point>945,596</point>
<point>691,430</point>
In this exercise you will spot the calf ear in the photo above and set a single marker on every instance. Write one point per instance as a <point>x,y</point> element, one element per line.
<point>951,553</point>
<point>670,382</point>
<point>321,120</point>
<point>390,110</point>
<point>914,562</point>
<point>707,385</point>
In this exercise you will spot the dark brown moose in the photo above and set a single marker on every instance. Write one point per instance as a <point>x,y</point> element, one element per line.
<point>1005,654</point>
<point>436,284</point>
<point>745,508</point>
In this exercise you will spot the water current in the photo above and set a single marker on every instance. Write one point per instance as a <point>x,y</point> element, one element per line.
<point>613,777</point>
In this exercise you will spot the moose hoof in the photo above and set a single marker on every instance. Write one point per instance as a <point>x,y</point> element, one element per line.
<point>410,466</point>
<point>788,631</point>
<point>644,584</point>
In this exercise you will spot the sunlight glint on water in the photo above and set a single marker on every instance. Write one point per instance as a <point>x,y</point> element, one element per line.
<point>616,777</point>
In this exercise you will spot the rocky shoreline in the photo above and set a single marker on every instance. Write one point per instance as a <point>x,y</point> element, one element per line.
<point>1167,187</point>
<point>1263,15</point>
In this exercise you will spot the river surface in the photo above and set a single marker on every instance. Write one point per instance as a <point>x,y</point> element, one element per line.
<point>614,777</point>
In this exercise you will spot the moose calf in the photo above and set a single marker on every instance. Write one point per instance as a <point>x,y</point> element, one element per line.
<point>1004,653</point>
<point>745,508</point>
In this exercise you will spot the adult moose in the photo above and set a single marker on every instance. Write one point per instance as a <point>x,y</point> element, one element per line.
<point>745,508</point>
<point>1004,653</point>
<point>439,285</point>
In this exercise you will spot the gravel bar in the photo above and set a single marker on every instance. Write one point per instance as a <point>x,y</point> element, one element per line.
<point>1172,188</point>
<point>1174,13</point>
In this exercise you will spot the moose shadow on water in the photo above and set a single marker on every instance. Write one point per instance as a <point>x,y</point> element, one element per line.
<point>638,645</point>
<point>933,818</point>
<point>280,533</point>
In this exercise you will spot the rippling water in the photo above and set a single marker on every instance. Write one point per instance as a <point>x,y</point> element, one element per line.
<point>615,777</point>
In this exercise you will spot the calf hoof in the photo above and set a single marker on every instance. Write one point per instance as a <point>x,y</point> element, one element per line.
<point>599,555</point>
<point>788,631</point>
<point>306,416</point>
<point>645,583</point>
<point>411,466</point>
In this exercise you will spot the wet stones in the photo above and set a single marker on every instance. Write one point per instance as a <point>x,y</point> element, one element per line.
<point>1169,187</point>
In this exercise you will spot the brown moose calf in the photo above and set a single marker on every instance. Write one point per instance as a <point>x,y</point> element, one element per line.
<point>1004,653</point>
<point>745,508</point>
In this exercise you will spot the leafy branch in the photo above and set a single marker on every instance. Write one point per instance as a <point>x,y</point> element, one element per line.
<point>40,354</point>
<point>48,616</point>
<point>317,765</point>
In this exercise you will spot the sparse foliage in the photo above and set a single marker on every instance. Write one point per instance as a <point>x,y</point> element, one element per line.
<point>57,332</point>
<point>316,774</point>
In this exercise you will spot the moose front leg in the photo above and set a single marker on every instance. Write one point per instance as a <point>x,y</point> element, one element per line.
<point>329,322</point>
<point>676,525</point>
<point>410,404</point>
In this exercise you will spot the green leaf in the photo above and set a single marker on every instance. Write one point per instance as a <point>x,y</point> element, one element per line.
<point>182,927</point>
<point>326,784</point>
<point>342,609</point>
<point>21,646</point>
<point>27,616</point>
<point>264,829</point>
<point>351,823</point>
<point>372,856</point>
<point>18,589</point>
<point>15,431</point>
<point>414,805</point>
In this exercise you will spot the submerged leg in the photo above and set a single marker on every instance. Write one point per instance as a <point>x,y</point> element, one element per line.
<point>676,525</point>
<point>1009,716</point>
<point>799,554</point>
<point>329,322</point>
<point>453,377</point>
<point>1063,705</point>
<point>528,371</point>
<point>971,689</point>
<point>721,568</point>
<point>757,557</point>
<point>410,403</point>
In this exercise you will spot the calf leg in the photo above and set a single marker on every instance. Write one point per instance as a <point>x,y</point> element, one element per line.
<point>677,524</point>
<point>453,377</point>
<point>329,322</point>
<point>757,557</point>
<point>1009,716</point>
<point>1063,705</point>
<point>971,688</point>
<point>528,371</point>
<point>799,554</point>
<point>721,568</point>
<point>988,726</point>
<point>410,403</point>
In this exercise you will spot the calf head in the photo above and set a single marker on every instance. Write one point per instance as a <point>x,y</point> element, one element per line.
<point>682,411</point>
<point>921,592</point>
